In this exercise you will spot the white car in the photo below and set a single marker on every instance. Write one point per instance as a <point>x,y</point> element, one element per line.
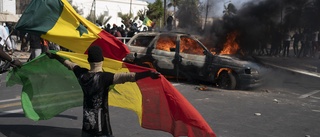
<point>183,56</point>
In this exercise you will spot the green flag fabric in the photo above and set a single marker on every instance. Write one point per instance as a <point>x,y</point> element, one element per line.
<point>49,88</point>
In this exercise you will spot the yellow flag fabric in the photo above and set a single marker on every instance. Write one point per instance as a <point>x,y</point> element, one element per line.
<point>58,22</point>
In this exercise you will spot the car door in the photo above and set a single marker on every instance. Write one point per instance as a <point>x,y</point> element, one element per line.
<point>164,53</point>
<point>194,62</point>
<point>140,50</point>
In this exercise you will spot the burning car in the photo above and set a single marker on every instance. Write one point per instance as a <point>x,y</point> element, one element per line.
<point>184,56</point>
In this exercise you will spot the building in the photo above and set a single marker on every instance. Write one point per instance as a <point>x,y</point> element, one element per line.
<point>110,8</point>
<point>21,5</point>
<point>8,6</point>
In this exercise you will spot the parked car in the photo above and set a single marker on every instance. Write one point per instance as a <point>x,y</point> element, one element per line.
<point>184,56</point>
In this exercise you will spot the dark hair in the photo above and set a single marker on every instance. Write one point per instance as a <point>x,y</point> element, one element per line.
<point>95,54</point>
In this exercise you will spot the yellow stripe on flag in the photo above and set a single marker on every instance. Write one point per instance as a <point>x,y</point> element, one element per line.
<point>67,25</point>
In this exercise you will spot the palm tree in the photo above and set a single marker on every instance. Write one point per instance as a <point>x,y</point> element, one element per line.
<point>189,14</point>
<point>125,19</point>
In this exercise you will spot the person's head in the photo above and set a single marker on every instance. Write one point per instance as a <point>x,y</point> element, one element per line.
<point>95,54</point>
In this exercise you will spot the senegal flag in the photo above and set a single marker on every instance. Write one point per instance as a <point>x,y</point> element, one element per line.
<point>48,91</point>
<point>58,22</point>
<point>147,21</point>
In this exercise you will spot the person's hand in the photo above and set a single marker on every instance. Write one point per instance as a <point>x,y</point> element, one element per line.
<point>16,63</point>
<point>154,74</point>
<point>51,55</point>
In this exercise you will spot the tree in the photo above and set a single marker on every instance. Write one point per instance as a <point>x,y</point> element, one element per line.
<point>295,14</point>
<point>189,14</point>
<point>230,9</point>
<point>125,19</point>
<point>155,12</point>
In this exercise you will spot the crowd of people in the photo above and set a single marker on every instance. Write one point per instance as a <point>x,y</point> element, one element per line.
<point>124,31</point>
<point>295,44</point>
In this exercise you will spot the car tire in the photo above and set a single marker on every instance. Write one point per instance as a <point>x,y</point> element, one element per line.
<point>226,80</point>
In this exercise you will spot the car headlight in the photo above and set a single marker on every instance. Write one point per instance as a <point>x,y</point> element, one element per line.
<point>247,71</point>
<point>250,71</point>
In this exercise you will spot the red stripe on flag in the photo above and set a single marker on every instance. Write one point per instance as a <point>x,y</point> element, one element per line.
<point>111,46</point>
<point>165,108</point>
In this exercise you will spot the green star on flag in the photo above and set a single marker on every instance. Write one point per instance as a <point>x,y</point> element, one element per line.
<point>82,29</point>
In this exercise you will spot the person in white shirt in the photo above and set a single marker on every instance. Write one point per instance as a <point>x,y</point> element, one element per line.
<point>5,41</point>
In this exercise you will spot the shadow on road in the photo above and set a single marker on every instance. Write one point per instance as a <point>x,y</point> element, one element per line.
<point>38,131</point>
<point>22,115</point>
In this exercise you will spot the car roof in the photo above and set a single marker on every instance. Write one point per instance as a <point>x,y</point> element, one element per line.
<point>160,33</point>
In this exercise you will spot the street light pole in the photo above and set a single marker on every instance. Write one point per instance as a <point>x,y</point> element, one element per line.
<point>165,10</point>
<point>130,7</point>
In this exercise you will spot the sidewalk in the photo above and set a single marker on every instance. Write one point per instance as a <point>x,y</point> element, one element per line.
<point>22,56</point>
<point>307,66</point>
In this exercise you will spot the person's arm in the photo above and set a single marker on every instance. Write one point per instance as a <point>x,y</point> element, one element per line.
<point>70,65</point>
<point>120,78</point>
<point>5,56</point>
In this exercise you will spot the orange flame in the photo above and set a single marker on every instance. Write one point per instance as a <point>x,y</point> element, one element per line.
<point>230,46</point>
<point>187,45</point>
<point>165,43</point>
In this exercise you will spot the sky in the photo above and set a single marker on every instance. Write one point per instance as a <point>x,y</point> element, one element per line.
<point>218,5</point>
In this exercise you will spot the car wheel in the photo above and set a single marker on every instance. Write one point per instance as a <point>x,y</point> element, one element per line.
<point>226,80</point>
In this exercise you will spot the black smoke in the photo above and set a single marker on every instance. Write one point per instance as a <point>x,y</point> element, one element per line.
<point>255,22</point>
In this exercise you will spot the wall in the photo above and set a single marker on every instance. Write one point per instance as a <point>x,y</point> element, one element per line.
<point>111,8</point>
<point>8,6</point>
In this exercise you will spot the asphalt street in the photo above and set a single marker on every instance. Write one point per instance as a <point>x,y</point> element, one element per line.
<point>286,105</point>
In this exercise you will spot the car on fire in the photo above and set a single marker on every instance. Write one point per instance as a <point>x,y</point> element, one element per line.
<point>184,56</point>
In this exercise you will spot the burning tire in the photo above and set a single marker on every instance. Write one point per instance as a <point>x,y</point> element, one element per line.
<point>226,80</point>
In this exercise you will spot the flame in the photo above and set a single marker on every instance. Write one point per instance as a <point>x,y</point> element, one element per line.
<point>230,46</point>
<point>165,43</point>
<point>187,45</point>
<point>213,51</point>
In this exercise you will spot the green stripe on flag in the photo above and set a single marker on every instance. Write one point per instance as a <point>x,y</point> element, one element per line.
<point>36,19</point>
<point>49,88</point>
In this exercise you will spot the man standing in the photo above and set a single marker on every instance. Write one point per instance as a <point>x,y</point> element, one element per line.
<point>5,57</point>
<point>296,39</point>
<point>6,41</point>
<point>286,44</point>
<point>95,86</point>
<point>35,42</point>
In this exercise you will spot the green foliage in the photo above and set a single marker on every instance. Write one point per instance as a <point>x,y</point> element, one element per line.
<point>189,14</point>
<point>125,18</point>
<point>156,11</point>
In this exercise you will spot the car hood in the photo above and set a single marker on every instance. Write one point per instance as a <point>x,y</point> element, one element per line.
<point>238,61</point>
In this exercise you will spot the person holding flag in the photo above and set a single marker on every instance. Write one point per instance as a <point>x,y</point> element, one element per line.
<point>95,86</point>
<point>5,57</point>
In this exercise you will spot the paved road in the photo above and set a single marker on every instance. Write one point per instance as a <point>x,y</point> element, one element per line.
<point>289,108</point>
<point>287,105</point>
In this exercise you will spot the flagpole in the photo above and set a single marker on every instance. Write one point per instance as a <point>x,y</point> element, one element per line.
<point>93,11</point>
<point>130,6</point>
